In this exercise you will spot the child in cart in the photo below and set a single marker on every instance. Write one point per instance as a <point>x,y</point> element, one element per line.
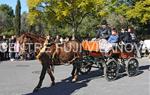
<point>107,45</point>
<point>114,37</point>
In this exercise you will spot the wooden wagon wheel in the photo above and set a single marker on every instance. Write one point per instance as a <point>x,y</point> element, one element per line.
<point>100,65</point>
<point>111,70</point>
<point>85,67</point>
<point>132,67</point>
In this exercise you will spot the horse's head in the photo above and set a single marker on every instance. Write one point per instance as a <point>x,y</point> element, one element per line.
<point>30,40</point>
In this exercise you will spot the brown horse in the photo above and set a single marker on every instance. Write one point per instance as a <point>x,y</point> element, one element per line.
<point>68,52</point>
<point>27,38</point>
<point>55,53</point>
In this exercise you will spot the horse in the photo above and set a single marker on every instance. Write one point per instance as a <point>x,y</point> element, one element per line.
<point>55,53</point>
<point>28,39</point>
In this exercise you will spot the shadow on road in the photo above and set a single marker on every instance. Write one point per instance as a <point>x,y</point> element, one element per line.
<point>146,67</point>
<point>61,88</point>
<point>66,87</point>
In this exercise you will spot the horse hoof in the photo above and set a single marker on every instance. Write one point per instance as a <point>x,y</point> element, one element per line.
<point>36,89</point>
<point>74,80</point>
<point>53,83</point>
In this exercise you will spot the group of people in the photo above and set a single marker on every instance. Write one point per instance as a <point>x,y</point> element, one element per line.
<point>59,39</point>
<point>113,37</point>
<point>103,32</point>
<point>9,48</point>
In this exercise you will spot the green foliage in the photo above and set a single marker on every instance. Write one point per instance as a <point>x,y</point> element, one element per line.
<point>7,10</point>
<point>8,33</point>
<point>117,21</point>
<point>137,12</point>
<point>89,26</point>
<point>70,13</point>
<point>18,18</point>
<point>6,19</point>
<point>80,17</point>
<point>140,11</point>
<point>24,23</point>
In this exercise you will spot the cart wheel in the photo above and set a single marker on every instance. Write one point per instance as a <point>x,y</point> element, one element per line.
<point>111,70</point>
<point>132,67</point>
<point>85,67</point>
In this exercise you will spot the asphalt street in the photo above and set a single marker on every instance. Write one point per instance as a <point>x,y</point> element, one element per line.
<point>20,78</point>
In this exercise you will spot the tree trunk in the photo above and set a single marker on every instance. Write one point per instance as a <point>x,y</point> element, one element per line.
<point>148,25</point>
<point>75,30</point>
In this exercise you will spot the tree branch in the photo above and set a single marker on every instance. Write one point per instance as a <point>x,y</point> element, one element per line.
<point>69,21</point>
<point>82,18</point>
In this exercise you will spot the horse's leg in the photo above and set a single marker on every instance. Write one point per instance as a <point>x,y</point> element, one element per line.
<point>50,72</point>
<point>42,76</point>
<point>75,72</point>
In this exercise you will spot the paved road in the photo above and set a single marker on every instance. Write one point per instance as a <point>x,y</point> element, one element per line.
<point>20,77</point>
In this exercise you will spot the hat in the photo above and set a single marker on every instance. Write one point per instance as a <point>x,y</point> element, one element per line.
<point>104,22</point>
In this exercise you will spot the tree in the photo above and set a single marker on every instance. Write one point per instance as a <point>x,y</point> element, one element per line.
<point>134,9</point>
<point>18,18</point>
<point>6,19</point>
<point>60,16</point>
<point>140,11</point>
<point>64,12</point>
<point>24,23</point>
<point>7,10</point>
<point>137,13</point>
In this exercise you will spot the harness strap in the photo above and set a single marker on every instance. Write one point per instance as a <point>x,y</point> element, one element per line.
<point>42,50</point>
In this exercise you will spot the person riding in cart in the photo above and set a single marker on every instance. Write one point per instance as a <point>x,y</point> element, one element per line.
<point>114,36</point>
<point>102,35</point>
<point>104,31</point>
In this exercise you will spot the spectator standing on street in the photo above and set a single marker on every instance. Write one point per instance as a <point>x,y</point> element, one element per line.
<point>57,39</point>
<point>12,42</point>
<point>0,50</point>
<point>67,39</point>
<point>49,40</point>
<point>17,49</point>
<point>4,44</point>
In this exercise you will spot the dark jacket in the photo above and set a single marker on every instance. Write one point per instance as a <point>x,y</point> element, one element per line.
<point>103,33</point>
<point>125,37</point>
<point>11,43</point>
<point>133,37</point>
<point>128,37</point>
